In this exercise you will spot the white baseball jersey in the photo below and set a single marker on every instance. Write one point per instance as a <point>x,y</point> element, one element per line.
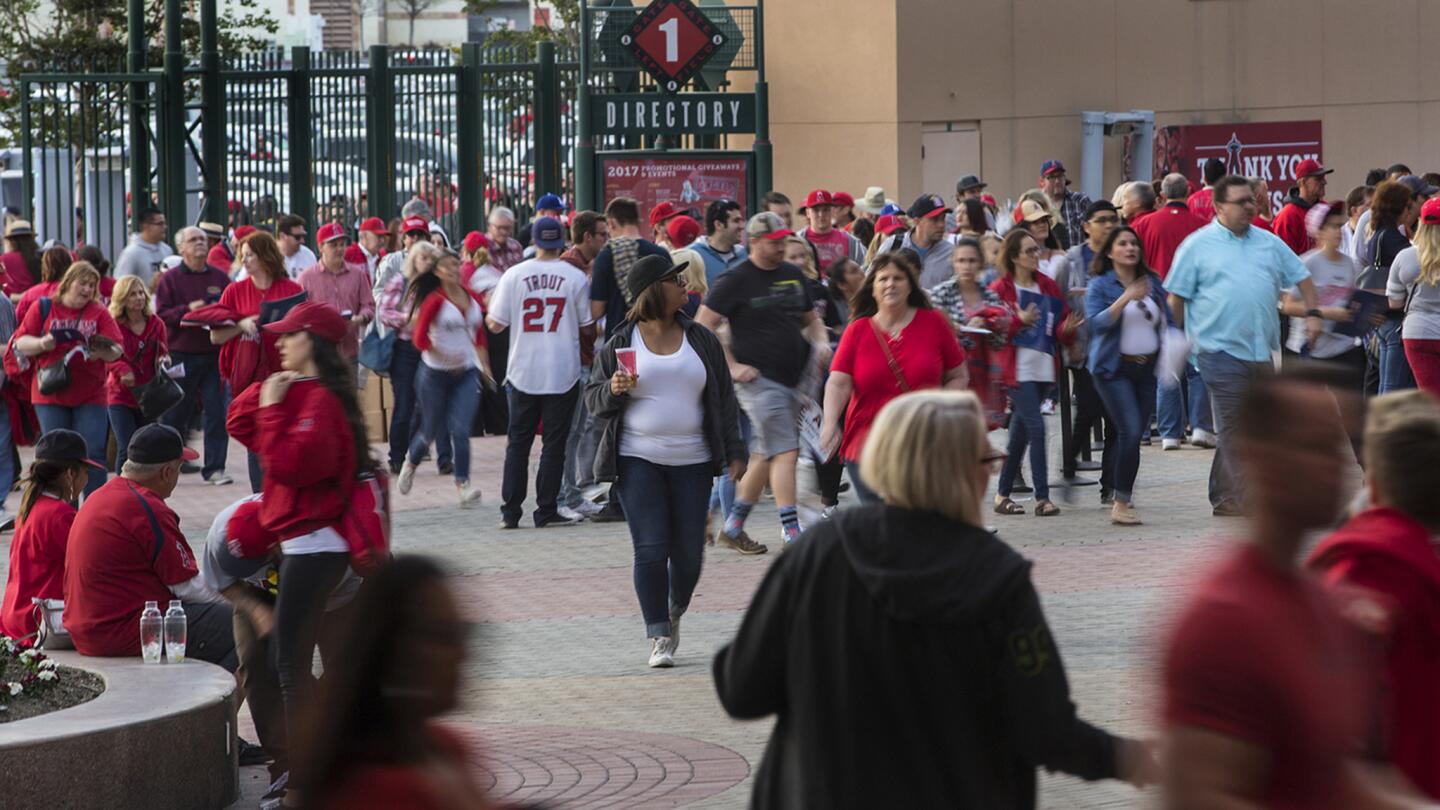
<point>544,302</point>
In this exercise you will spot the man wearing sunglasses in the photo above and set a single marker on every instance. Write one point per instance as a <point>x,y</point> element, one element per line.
<point>290,233</point>
<point>1225,288</point>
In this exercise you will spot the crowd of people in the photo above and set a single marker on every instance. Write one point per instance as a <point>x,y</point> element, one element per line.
<point>681,363</point>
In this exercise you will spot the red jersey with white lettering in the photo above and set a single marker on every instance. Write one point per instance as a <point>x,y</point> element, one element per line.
<point>832,246</point>
<point>544,302</point>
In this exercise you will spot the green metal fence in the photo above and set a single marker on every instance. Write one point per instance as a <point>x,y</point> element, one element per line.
<point>331,136</point>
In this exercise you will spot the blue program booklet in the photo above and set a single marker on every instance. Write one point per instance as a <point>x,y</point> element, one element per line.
<point>1364,306</point>
<point>1041,336</point>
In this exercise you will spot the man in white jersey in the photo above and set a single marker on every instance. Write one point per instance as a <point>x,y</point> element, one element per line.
<point>546,300</point>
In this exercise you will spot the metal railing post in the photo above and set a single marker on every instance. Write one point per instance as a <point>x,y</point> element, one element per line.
<point>171,122</point>
<point>302,135</point>
<point>380,144</point>
<point>764,152</point>
<point>138,141</point>
<point>470,135</point>
<point>213,116</point>
<point>585,196</point>
<point>547,121</point>
<point>27,150</point>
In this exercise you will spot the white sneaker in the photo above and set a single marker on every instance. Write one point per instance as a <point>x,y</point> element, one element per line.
<point>407,478</point>
<point>660,654</point>
<point>1047,408</point>
<point>1169,444</point>
<point>7,520</point>
<point>572,514</point>
<point>588,509</point>
<point>469,496</point>
<point>1202,438</point>
<point>219,479</point>
<point>594,493</point>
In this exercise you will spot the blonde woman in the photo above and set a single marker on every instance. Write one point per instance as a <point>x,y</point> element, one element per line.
<point>88,341</point>
<point>694,277</point>
<point>478,273</point>
<point>391,313</point>
<point>1415,288</point>
<point>915,580</point>
<point>143,348</point>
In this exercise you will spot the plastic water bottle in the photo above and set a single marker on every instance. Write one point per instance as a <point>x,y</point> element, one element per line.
<point>175,632</point>
<point>150,630</point>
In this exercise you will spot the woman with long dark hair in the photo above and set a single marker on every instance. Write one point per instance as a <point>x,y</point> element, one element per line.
<point>20,262</point>
<point>450,335</point>
<point>971,220</point>
<point>54,261</point>
<point>37,553</point>
<point>1030,370</point>
<point>375,741</point>
<point>896,342</point>
<point>143,348</point>
<point>265,280</point>
<point>78,333</point>
<point>305,423</point>
<point>1394,211</point>
<point>665,432</point>
<point>1125,307</point>
<point>392,314</point>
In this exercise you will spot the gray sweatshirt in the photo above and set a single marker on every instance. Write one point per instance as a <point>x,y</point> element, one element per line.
<point>140,258</point>
<point>1422,316</point>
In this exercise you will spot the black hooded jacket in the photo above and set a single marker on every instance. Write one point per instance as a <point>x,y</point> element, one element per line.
<point>910,665</point>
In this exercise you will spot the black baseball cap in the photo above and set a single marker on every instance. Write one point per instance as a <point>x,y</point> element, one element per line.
<point>157,444</point>
<point>649,270</point>
<point>968,182</point>
<point>927,205</point>
<point>1098,206</point>
<point>64,447</point>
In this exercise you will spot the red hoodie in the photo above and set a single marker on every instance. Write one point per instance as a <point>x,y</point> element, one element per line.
<point>307,452</point>
<point>1386,567</point>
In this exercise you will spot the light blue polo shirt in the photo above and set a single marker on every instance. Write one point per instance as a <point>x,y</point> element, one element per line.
<point>1232,285</point>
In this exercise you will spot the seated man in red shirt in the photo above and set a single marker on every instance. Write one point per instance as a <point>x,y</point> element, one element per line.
<point>1383,568</point>
<point>1265,693</point>
<point>126,548</point>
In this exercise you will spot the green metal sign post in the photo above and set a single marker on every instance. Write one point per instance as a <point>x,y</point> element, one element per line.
<point>635,74</point>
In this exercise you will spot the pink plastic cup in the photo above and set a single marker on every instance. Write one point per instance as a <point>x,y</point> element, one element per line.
<point>626,358</point>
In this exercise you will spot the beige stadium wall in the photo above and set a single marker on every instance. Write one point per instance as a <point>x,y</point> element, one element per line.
<point>1024,70</point>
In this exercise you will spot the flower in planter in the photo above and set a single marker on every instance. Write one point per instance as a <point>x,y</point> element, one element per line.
<point>15,689</point>
<point>47,675</point>
<point>48,663</point>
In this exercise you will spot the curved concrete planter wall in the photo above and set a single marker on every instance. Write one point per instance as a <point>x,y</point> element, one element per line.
<point>158,737</point>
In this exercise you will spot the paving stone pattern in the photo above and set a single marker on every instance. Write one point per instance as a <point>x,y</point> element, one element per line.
<point>560,703</point>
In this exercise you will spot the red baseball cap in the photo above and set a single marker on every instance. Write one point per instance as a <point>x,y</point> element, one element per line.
<point>662,212</point>
<point>1430,212</point>
<point>354,255</point>
<point>1310,167</point>
<point>989,199</point>
<point>842,200</point>
<point>244,536</point>
<point>475,240</point>
<point>819,197</point>
<point>244,231</point>
<point>889,224</point>
<point>413,224</point>
<point>313,317</point>
<point>329,232</point>
<point>682,230</point>
<point>374,225</point>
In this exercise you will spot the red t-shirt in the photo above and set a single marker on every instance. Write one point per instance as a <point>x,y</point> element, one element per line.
<point>37,564</point>
<point>833,245</point>
<point>1202,204</point>
<point>384,786</point>
<point>1261,655</point>
<point>926,349</point>
<point>141,353</point>
<point>17,276</point>
<point>87,377</point>
<point>115,564</point>
<point>30,296</point>
<point>245,298</point>
<point>1162,232</point>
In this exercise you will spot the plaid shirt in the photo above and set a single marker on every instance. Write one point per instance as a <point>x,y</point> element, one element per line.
<point>946,297</point>
<point>1072,214</point>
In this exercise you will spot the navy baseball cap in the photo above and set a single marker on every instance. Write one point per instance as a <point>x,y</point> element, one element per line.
<point>1050,167</point>
<point>157,444</point>
<point>549,233</point>
<point>550,202</point>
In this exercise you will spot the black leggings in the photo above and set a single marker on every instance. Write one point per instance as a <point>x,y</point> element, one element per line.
<point>306,581</point>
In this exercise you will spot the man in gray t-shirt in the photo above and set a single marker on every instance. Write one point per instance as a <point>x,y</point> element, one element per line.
<point>147,249</point>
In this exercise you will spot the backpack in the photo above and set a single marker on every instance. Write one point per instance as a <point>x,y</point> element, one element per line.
<point>624,253</point>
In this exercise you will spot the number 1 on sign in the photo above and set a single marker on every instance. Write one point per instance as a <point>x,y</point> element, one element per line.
<point>671,27</point>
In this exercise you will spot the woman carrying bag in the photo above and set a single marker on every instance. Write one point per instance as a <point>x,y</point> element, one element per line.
<point>143,350</point>
<point>666,431</point>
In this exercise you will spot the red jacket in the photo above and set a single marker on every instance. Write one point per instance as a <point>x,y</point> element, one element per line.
<point>1005,288</point>
<point>1386,568</point>
<point>242,362</point>
<point>1162,232</point>
<point>307,452</point>
<point>1289,225</point>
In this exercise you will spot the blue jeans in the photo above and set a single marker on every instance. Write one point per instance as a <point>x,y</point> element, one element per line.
<point>201,383</point>
<point>7,454</point>
<point>1228,378</point>
<point>125,421</point>
<point>723,494</point>
<point>527,411</point>
<point>90,422</point>
<point>448,400</point>
<point>1172,404</point>
<point>1129,398</point>
<point>1027,428</point>
<point>579,454</point>
<point>1395,374</point>
<point>665,508</point>
<point>405,419</point>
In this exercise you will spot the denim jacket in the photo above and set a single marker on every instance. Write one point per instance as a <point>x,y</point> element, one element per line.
<point>1100,294</point>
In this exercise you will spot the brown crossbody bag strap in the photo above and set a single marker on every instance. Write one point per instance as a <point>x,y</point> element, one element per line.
<point>890,359</point>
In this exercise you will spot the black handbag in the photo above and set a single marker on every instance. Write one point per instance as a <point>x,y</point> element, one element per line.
<point>158,395</point>
<point>492,418</point>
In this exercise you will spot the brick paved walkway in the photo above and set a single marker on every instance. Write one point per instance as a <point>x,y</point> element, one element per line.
<point>558,695</point>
